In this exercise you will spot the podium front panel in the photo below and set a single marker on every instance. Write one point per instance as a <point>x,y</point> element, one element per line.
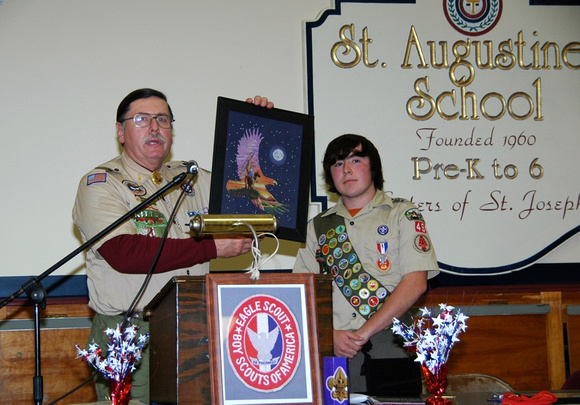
<point>180,366</point>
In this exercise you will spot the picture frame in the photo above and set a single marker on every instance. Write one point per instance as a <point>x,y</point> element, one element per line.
<point>262,164</point>
<point>243,314</point>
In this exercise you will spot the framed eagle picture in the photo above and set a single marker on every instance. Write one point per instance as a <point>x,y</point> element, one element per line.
<point>262,163</point>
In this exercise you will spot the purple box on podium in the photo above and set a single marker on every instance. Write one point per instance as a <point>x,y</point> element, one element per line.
<point>335,380</point>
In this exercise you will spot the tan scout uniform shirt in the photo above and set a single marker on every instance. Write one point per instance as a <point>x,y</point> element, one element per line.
<point>394,221</point>
<point>108,192</point>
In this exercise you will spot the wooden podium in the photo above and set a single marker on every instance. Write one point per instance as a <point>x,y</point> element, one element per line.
<point>180,316</point>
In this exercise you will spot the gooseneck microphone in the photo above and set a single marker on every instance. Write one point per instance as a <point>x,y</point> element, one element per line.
<point>210,224</point>
<point>191,167</point>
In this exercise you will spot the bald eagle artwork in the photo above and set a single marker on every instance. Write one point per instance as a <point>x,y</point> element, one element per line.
<point>252,182</point>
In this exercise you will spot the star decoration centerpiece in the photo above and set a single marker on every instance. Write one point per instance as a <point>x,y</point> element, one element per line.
<point>432,338</point>
<point>123,352</point>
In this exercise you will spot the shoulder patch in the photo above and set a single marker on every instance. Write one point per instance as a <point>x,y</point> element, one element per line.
<point>422,244</point>
<point>96,178</point>
<point>413,214</point>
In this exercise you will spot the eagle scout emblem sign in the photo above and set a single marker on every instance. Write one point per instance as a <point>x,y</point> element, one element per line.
<point>263,343</point>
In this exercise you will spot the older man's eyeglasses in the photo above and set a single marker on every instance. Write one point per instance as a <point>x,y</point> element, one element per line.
<point>143,120</point>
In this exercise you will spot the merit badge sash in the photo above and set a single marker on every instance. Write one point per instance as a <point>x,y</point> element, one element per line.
<point>337,256</point>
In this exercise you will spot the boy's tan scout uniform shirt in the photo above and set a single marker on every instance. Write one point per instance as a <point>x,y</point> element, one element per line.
<point>392,225</point>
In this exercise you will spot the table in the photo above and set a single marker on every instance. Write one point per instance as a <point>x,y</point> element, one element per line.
<point>481,398</point>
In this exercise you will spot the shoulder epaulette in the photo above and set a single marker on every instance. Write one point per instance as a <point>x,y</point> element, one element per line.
<point>106,169</point>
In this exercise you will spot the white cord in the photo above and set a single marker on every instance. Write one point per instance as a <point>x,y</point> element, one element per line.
<point>257,264</point>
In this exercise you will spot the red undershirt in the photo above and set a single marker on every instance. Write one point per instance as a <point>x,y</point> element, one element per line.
<point>134,254</point>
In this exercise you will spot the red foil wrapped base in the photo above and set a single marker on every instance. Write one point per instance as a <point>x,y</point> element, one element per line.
<point>436,384</point>
<point>120,391</point>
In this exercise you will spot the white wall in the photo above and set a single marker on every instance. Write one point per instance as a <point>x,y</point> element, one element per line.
<point>66,65</point>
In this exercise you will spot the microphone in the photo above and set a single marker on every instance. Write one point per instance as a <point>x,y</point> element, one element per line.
<point>191,166</point>
<point>208,224</point>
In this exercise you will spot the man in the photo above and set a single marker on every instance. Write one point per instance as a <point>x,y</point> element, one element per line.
<point>377,248</point>
<point>117,264</point>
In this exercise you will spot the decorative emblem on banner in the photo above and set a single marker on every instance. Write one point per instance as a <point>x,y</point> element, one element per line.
<point>473,17</point>
<point>264,343</point>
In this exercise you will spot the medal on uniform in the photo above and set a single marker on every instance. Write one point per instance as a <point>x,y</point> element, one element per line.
<point>383,261</point>
<point>157,177</point>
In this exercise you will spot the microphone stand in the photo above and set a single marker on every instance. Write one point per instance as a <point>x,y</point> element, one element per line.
<point>36,293</point>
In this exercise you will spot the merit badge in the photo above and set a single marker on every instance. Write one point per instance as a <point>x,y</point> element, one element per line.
<point>333,243</point>
<point>264,343</point>
<point>346,247</point>
<point>382,293</point>
<point>364,309</point>
<point>352,258</point>
<point>329,260</point>
<point>347,291</point>
<point>364,293</point>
